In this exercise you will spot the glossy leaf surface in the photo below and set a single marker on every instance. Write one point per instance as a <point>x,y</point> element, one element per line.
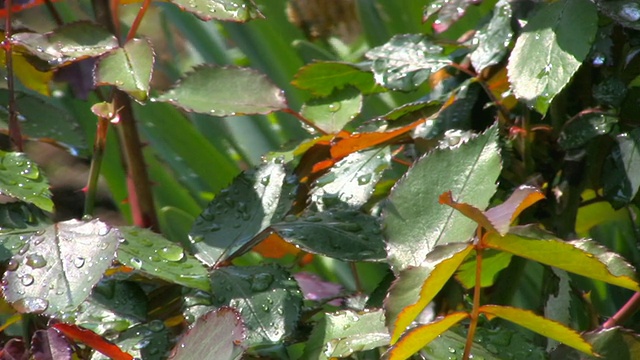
<point>68,43</point>
<point>621,169</point>
<point>224,92</point>
<point>340,334</point>
<point>239,213</point>
<point>128,68</point>
<point>551,48</point>
<point>414,221</point>
<point>152,254</point>
<point>416,287</point>
<point>224,325</point>
<point>58,266</point>
<point>406,61</point>
<point>493,39</point>
<point>333,112</point>
<point>21,178</point>
<point>226,10</point>
<point>266,297</point>
<point>342,234</point>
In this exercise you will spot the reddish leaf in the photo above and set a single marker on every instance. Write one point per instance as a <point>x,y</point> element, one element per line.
<point>93,340</point>
<point>14,349</point>
<point>275,247</point>
<point>314,288</point>
<point>504,214</point>
<point>50,344</point>
<point>467,210</point>
<point>361,141</point>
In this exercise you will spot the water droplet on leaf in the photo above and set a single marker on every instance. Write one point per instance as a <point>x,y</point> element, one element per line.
<point>36,261</point>
<point>27,280</point>
<point>172,253</point>
<point>13,265</point>
<point>78,262</point>
<point>136,263</point>
<point>261,282</point>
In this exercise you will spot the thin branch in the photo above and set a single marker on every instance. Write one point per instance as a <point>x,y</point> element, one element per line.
<point>54,12</point>
<point>625,312</point>
<point>15,134</point>
<point>96,163</point>
<point>136,22</point>
<point>305,120</point>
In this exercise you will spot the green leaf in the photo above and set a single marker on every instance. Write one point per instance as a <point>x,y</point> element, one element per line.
<point>494,38</point>
<point>267,297</point>
<point>21,178</point>
<point>342,234</point>
<point>492,263</point>
<point>622,168</point>
<point>254,201</point>
<point>152,254</point>
<point>322,78</point>
<point>333,112</point>
<point>557,306</point>
<point>340,334</point>
<point>416,338</point>
<point>151,341</point>
<point>416,287</point>
<point>67,43</point>
<point>551,48</point>
<point>353,179</point>
<point>226,10</point>
<point>225,91</point>
<point>406,61</point>
<point>580,130</point>
<point>129,68</point>
<point>582,257</point>
<point>542,326</point>
<point>414,221</point>
<point>614,344</point>
<point>41,120</point>
<point>224,325</point>
<point>58,266</point>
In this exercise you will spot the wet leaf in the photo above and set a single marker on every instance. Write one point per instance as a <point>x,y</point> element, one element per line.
<point>542,326</point>
<point>551,48</point>
<point>226,91</point>
<point>352,180</point>
<point>29,76</point>
<point>582,257</point>
<point>416,287</point>
<point>414,221</point>
<point>315,289</point>
<point>492,263</point>
<point>493,39</point>
<point>92,340</point>
<point>230,222</point>
<point>151,341</point>
<point>224,325</point>
<point>58,266</point>
<point>340,334</point>
<point>333,112</point>
<point>226,10</point>
<point>585,127</point>
<point>50,344</point>
<point>322,78</point>
<point>622,168</point>
<point>342,234</point>
<point>129,68</point>
<point>406,61</point>
<point>275,247</point>
<point>557,306</point>
<point>361,141</point>
<point>413,111</point>
<point>41,120</point>
<point>21,178</point>
<point>152,254</point>
<point>268,299</point>
<point>623,12</point>
<point>447,12</point>
<point>416,338</point>
<point>67,43</point>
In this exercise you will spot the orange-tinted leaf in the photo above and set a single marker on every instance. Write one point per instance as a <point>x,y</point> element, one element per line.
<point>361,141</point>
<point>415,287</point>
<point>499,86</point>
<point>467,210</point>
<point>93,340</point>
<point>539,324</point>
<point>504,214</point>
<point>416,338</point>
<point>275,247</point>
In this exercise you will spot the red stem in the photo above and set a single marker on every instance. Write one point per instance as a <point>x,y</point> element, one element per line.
<point>624,313</point>
<point>136,23</point>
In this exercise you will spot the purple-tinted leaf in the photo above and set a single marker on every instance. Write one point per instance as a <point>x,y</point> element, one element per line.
<point>50,345</point>
<point>79,76</point>
<point>316,289</point>
<point>14,349</point>
<point>220,332</point>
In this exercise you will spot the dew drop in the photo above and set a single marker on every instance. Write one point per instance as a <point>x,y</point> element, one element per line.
<point>32,305</point>
<point>364,179</point>
<point>630,11</point>
<point>78,262</point>
<point>38,240</point>
<point>290,218</point>
<point>36,261</point>
<point>335,107</point>
<point>196,239</point>
<point>27,280</point>
<point>265,180</point>
<point>156,325</point>
<point>136,263</point>
<point>261,282</point>
<point>104,230</point>
<point>172,253</point>
<point>13,265</point>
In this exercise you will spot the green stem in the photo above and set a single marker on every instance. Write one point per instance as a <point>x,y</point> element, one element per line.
<point>475,312</point>
<point>96,163</point>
